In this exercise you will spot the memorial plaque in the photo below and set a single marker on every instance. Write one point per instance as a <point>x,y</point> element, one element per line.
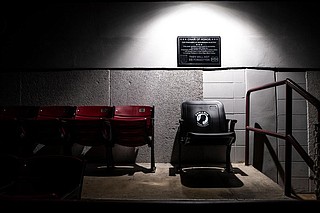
<point>199,51</point>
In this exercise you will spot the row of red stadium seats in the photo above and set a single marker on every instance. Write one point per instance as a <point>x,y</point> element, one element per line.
<point>34,130</point>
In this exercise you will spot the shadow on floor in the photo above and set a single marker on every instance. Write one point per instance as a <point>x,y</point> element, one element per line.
<point>206,177</point>
<point>94,169</point>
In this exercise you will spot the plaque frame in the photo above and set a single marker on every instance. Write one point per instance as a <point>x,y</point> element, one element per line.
<point>199,51</point>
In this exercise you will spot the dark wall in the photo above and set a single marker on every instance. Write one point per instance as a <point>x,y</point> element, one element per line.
<point>135,34</point>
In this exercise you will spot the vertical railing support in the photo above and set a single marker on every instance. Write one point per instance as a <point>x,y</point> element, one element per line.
<point>316,168</point>
<point>246,160</point>
<point>317,157</point>
<point>288,147</point>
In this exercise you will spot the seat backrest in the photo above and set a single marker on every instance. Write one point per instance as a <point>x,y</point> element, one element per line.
<point>43,131</point>
<point>136,112</point>
<point>203,116</point>
<point>87,132</point>
<point>94,112</point>
<point>130,132</point>
<point>89,127</point>
<point>46,131</point>
<point>19,112</point>
<point>56,112</point>
<point>11,129</point>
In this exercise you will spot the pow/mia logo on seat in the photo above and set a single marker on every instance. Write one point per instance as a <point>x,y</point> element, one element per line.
<point>202,118</point>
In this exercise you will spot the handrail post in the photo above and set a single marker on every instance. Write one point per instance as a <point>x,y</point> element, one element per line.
<point>316,168</point>
<point>288,147</point>
<point>247,130</point>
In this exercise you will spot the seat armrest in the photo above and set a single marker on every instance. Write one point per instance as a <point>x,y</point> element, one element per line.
<point>232,123</point>
<point>181,133</point>
<point>181,123</point>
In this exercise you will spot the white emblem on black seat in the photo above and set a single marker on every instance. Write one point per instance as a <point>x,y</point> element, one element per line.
<point>202,118</point>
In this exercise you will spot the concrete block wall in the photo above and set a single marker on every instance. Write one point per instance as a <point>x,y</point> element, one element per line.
<point>76,87</point>
<point>313,87</point>
<point>229,87</point>
<point>262,113</point>
<point>300,171</point>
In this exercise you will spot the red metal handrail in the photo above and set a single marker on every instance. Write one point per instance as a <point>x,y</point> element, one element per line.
<point>290,141</point>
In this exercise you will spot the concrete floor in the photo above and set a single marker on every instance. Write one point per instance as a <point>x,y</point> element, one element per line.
<point>201,189</point>
<point>206,183</point>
